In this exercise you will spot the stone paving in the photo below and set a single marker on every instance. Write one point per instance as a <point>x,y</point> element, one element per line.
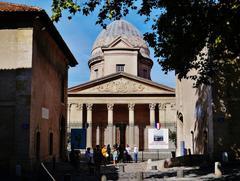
<point>132,171</point>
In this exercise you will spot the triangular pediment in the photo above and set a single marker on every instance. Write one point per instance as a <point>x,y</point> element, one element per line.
<point>121,83</point>
<point>119,42</point>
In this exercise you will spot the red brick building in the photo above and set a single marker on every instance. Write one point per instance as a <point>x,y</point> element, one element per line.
<point>34,62</point>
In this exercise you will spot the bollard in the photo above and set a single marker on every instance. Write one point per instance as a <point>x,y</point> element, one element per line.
<point>67,177</point>
<point>225,157</point>
<point>103,178</point>
<point>149,164</point>
<point>121,168</point>
<point>217,170</point>
<point>139,176</point>
<point>180,173</point>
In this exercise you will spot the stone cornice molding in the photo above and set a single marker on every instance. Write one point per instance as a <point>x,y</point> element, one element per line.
<point>89,106</point>
<point>110,106</point>
<point>152,106</point>
<point>131,106</point>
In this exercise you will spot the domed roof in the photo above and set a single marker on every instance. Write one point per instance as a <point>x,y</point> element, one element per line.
<point>123,29</point>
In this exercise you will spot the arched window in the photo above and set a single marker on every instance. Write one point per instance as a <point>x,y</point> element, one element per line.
<point>50,143</point>
<point>38,145</point>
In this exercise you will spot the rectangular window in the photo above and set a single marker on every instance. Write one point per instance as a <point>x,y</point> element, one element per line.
<point>120,68</point>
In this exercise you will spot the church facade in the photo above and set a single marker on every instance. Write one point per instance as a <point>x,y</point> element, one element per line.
<point>120,104</point>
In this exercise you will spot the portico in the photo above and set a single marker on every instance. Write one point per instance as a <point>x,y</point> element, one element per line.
<point>120,104</point>
<point>119,118</point>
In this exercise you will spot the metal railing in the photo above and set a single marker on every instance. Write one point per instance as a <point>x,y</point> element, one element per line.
<point>48,173</point>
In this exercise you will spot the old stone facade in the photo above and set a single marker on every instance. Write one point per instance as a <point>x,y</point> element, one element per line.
<point>207,123</point>
<point>120,104</point>
<point>33,87</point>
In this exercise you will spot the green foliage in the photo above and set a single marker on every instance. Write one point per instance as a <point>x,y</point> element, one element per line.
<point>59,5</point>
<point>180,30</point>
<point>185,35</point>
<point>236,151</point>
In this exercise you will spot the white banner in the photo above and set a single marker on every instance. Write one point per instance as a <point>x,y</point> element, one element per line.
<point>157,138</point>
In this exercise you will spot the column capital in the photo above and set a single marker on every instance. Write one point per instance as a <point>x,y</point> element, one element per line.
<point>79,107</point>
<point>152,106</point>
<point>161,106</point>
<point>131,106</point>
<point>110,106</point>
<point>173,106</point>
<point>89,106</point>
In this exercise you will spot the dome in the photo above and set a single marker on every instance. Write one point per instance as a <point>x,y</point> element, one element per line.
<point>127,32</point>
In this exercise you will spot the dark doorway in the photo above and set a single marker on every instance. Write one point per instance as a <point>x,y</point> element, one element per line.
<point>62,138</point>
<point>121,134</point>
<point>38,145</point>
<point>50,143</point>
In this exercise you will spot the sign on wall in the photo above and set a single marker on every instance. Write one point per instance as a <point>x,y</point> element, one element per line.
<point>158,138</point>
<point>78,138</point>
<point>45,113</point>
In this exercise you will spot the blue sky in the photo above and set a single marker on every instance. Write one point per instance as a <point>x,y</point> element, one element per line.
<point>80,33</point>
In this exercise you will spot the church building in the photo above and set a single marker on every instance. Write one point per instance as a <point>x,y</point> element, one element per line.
<point>121,104</point>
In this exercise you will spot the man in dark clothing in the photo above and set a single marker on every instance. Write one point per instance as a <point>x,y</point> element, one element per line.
<point>97,157</point>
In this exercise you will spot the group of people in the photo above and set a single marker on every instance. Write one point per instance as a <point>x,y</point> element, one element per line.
<point>107,155</point>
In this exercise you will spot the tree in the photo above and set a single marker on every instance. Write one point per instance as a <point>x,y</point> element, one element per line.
<point>181,29</point>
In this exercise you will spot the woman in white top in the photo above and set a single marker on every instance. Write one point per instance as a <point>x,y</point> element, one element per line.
<point>135,153</point>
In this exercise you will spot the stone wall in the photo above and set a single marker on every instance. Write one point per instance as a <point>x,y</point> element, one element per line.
<point>49,86</point>
<point>15,94</point>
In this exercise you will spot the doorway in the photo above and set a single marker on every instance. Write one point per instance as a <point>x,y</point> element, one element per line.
<point>62,138</point>
<point>38,145</point>
<point>121,134</point>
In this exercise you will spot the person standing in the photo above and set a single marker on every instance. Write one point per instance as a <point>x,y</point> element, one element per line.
<point>109,153</point>
<point>115,155</point>
<point>104,154</point>
<point>97,157</point>
<point>135,153</point>
<point>89,158</point>
<point>127,153</point>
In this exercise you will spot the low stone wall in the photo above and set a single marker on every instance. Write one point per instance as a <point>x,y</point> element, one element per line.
<point>189,160</point>
<point>153,155</point>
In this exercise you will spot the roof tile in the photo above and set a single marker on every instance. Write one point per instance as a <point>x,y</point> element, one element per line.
<point>10,7</point>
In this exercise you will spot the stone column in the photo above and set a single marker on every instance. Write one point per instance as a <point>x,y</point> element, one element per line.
<point>80,113</point>
<point>69,118</point>
<point>114,135</point>
<point>97,135</point>
<point>146,138</point>
<point>131,124</point>
<point>152,114</point>
<point>89,121</point>
<point>161,114</point>
<point>110,124</point>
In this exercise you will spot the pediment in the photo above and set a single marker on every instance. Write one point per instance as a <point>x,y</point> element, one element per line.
<point>121,85</point>
<point>120,43</point>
